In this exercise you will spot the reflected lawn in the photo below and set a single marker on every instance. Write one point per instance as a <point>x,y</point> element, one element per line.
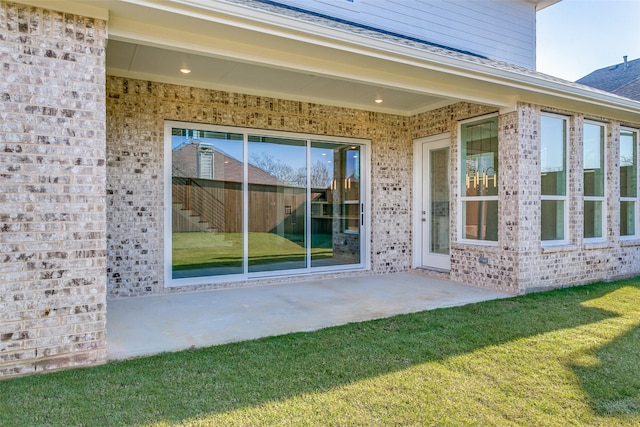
<point>218,250</point>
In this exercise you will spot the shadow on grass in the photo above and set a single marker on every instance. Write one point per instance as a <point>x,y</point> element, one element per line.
<point>610,374</point>
<point>174,387</point>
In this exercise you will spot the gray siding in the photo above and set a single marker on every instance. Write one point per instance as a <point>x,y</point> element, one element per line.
<point>498,29</point>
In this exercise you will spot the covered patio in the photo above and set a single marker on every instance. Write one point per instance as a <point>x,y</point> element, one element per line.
<point>148,325</point>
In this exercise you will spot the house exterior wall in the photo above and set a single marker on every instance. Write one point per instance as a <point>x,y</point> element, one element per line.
<point>136,111</point>
<point>520,262</point>
<point>52,185</point>
<point>504,29</point>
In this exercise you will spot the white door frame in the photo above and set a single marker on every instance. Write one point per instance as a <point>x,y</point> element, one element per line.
<point>432,142</point>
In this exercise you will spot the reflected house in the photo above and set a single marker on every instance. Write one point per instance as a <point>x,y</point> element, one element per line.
<point>311,138</point>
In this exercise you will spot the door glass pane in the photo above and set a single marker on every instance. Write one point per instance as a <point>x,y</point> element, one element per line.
<point>277,203</point>
<point>335,204</point>
<point>439,195</point>
<point>206,192</point>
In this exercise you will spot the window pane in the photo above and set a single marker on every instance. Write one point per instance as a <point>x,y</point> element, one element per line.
<point>206,197</point>
<point>335,204</point>
<point>480,158</point>
<point>628,163</point>
<point>480,220</point>
<point>277,203</point>
<point>552,220</point>
<point>627,218</point>
<point>593,155</point>
<point>592,219</point>
<point>553,156</point>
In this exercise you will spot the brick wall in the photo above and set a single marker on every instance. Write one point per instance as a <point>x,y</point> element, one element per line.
<point>52,185</point>
<point>136,111</point>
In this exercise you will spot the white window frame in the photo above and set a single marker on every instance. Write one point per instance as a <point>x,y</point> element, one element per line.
<point>565,198</point>
<point>462,199</point>
<point>365,191</point>
<point>636,199</point>
<point>603,198</point>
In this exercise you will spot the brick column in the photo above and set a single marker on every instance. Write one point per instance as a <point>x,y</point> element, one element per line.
<point>52,190</point>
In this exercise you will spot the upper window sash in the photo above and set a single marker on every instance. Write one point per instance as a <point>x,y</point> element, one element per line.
<point>554,178</point>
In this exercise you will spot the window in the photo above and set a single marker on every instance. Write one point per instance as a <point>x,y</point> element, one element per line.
<point>479,180</point>
<point>629,183</point>
<point>553,167</point>
<point>245,204</point>
<point>594,178</point>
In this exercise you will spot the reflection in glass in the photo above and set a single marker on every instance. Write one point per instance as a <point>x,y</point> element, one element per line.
<point>628,181</point>
<point>206,170</point>
<point>277,203</point>
<point>439,193</point>
<point>627,218</point>
<point>592,219</point>
<point>628,164</point>
<point>335,204</point>
<point>481,220</point>
<point>215,232</point>
<point>552,225</point>
<point>553,156</point>
<point>593,156</point>
<point>479,179</point>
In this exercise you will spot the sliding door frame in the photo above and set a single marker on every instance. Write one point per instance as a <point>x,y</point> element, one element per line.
<point>365,205</point>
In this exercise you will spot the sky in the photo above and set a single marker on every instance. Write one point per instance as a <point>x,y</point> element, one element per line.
<point>576,37</point>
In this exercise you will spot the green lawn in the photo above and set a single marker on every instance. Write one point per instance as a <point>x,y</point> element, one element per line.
<point>562,358</point>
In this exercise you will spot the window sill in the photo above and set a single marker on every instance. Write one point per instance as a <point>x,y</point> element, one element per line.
<point>560,247</point>
<point>463,244</point>
<point>625,243</point>
<point>599,244</point>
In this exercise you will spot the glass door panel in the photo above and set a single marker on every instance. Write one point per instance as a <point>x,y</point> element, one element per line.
<point>439,192</point>
<point>206,196</point>
<point>434,215</point>
<point>277,173</point>
<point>336,204</point>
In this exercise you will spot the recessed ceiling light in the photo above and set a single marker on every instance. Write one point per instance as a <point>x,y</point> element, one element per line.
<point>378,101</point>
<point>185,70</point>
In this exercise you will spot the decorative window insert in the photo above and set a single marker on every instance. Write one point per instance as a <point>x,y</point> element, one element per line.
<point>246,204</point>
<point>629,221</point>
<point>594,170</point>
<point>479,180</point>
<point>553,168</point>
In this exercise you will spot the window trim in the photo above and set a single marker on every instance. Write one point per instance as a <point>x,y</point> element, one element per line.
<point>635,199</point>
<point>603,199</point>
<point>462,198</point>
<point>365,191</point>
<point>565,240</point>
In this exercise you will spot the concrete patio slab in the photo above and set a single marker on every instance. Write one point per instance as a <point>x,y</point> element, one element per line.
<point>148,325</point>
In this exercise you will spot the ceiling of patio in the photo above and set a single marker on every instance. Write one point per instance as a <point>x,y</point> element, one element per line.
<point>133,60</point>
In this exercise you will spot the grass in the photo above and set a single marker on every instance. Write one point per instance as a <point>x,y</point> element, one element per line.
<point>215,250</point>
<point>562,358</point>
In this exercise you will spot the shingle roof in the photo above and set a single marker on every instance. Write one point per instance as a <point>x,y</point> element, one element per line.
<point>621,79</point>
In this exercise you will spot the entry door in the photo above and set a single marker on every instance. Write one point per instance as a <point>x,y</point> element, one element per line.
<point>434,214</point>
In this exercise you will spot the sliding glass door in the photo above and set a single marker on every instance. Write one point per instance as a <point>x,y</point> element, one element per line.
<point>246,204</point>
